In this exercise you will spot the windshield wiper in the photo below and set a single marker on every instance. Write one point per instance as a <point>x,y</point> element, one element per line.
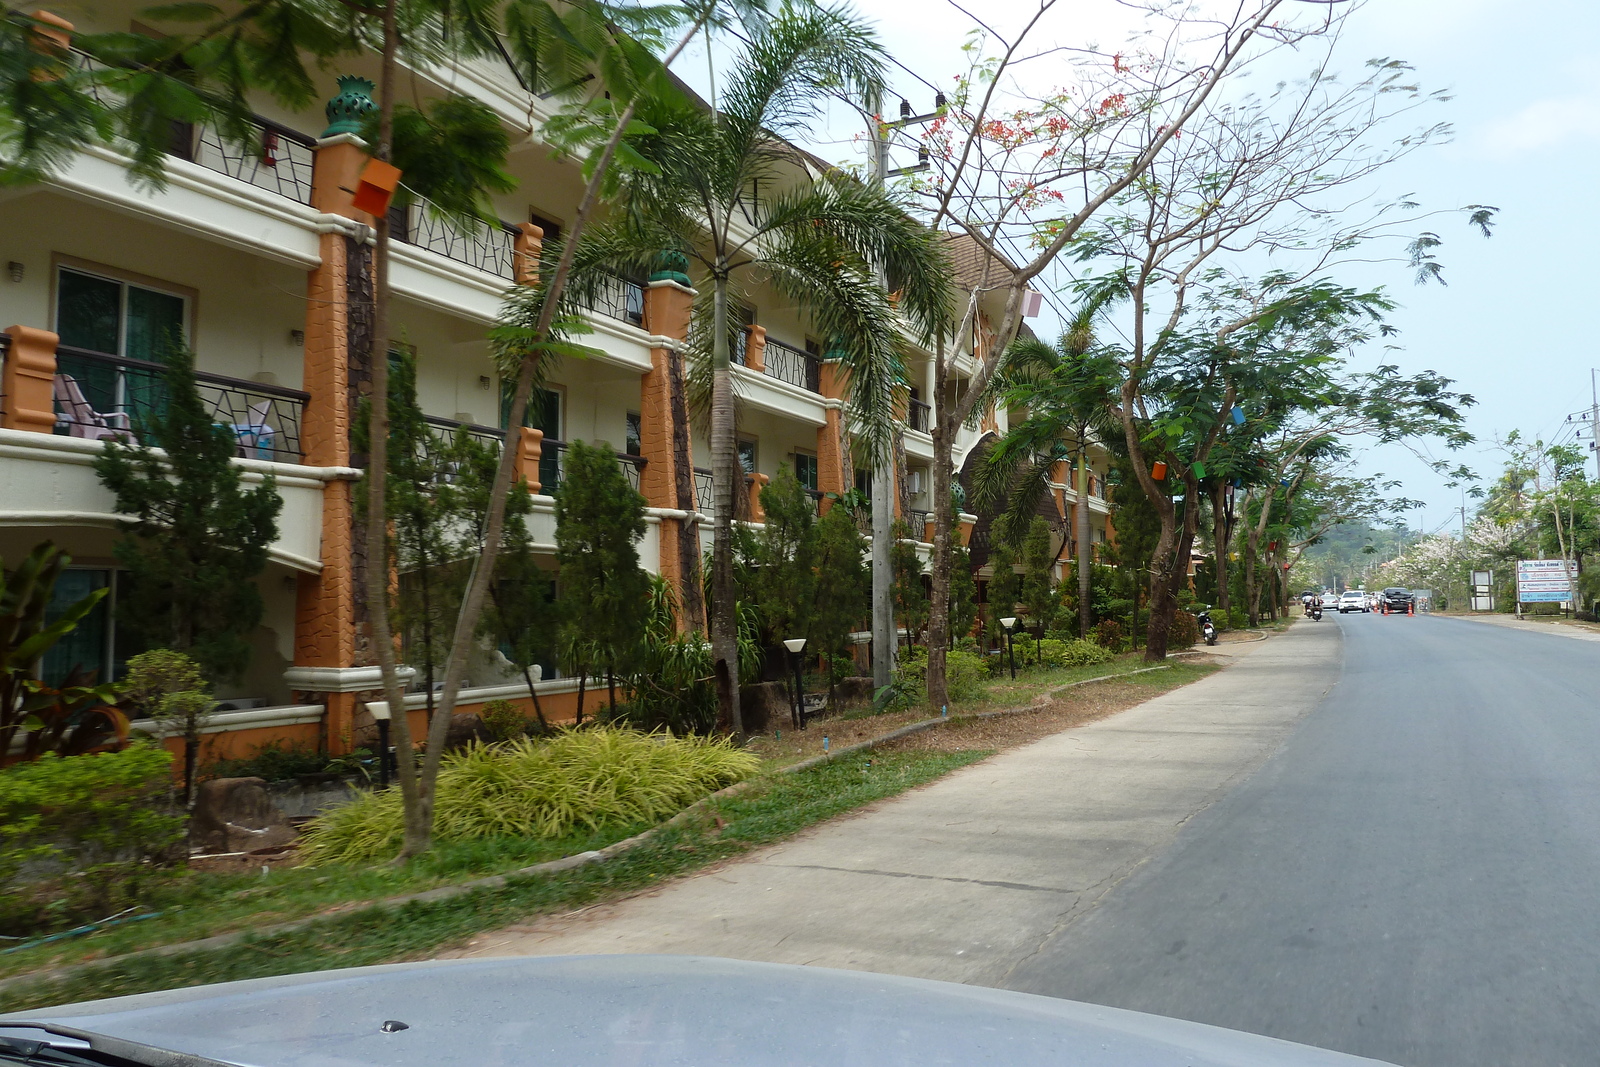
<point>52,1045</point>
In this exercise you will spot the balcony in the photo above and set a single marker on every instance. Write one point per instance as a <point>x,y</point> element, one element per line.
<point>619,298</point>
<point>919,416</point>
<point>273,157</point>
<point>552,466</point>
<point>99,396</point>
<point>442,433</point>
<point>487,247</point>
<point>789,364</point>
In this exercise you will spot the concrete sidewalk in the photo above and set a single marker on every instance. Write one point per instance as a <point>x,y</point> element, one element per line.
<point>965,878</point>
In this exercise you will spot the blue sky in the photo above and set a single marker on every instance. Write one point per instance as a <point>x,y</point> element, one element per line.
<point>1526,111</point>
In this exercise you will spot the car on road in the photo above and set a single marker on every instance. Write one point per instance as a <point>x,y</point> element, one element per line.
<point>1330,601</point>
<point>606,1010</point>
<point>1394,599</point>
<point>1353,600</point>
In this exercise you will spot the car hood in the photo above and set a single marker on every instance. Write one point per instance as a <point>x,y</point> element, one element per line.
<point>651,1010</point>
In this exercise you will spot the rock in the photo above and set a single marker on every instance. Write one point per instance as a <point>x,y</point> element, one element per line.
<point>237,815</point>
<point>464,729</point>
<point>856,689</point>
<point>764,707</point>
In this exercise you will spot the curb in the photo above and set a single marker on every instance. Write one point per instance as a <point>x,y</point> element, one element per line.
<point>580,859</point>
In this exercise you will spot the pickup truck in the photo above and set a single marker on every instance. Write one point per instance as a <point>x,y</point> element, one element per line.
<point>1395,600</point>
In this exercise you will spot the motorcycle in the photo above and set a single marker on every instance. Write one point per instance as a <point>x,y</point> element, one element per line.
<point>1208,629</point>
<point>1315,612</point>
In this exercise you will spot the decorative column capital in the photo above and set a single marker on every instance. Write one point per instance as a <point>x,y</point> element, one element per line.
<point>347,112</point>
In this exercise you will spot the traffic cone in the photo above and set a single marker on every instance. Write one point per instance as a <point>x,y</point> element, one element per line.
<point>1411,608</point>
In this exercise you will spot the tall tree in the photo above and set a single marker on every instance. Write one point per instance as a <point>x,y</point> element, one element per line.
<point>842,594</point>
<point>720,191</point>
<point>196,538</point>
<point>605,594</point>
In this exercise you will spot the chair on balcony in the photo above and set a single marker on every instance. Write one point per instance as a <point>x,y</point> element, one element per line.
<point>256,437</point>
<point>74,411</point>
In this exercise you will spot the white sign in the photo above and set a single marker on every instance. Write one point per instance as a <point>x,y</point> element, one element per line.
<point>1482,578</point>
<point>1545,581</point>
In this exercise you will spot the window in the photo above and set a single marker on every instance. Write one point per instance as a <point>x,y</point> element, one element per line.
<point>97,647</point>
<point>635,435</point>
<point>747,455</point>
<point>743,316</point>
<point>805,470</point>
<point>118,318</point>
<point>864,483</point>
<point>551,228</point>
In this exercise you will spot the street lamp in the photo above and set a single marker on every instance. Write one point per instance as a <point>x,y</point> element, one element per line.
<point>379,710</point>
<point>1010,623</point>
<point>796,645</point>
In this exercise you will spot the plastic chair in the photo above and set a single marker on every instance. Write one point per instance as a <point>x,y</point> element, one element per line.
<point>81,419</point>
<point>256,437</point>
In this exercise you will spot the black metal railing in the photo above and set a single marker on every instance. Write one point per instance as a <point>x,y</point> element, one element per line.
<point>271,156</point>
<point>918,416</point>
<point>441,436</point>
<point>705,487</point>
<point>619,298</point>
<point>552,466</point>
<point>99,395</point>
<point>489,247</point>
<point>816,501</point>
<point>918,521</point>
<point>795,366</point>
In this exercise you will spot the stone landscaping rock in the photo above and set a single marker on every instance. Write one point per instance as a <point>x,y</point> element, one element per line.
<point>237,815</point>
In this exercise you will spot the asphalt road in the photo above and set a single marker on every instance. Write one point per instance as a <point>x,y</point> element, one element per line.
<point>1414,876</point>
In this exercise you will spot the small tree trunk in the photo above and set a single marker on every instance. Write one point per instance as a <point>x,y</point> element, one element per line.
<point>1080,521</point>
<point>583,684</point>
<point>538,710</point>
<point>939,636</point>
<point>191,760</point>
<point>724,476</point>
<point>611,687</point>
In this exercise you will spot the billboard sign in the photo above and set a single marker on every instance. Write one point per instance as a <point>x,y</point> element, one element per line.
<point>1545,581</point>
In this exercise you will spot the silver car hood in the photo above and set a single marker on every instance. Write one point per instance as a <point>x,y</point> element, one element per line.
<point>650,1011</point>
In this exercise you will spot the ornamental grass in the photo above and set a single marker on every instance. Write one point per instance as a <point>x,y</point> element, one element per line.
<point>540,788</point>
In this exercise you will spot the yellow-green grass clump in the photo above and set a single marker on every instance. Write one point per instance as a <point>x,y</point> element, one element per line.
<point>529,788</point>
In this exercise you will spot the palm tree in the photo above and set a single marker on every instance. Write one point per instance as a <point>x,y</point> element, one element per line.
<point>1067,390</point>
<point>727,190</point>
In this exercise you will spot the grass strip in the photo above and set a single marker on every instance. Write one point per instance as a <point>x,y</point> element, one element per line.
<point>770,809</point>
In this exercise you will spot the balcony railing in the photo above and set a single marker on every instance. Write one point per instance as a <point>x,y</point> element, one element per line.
<point>552,466</point>
<point>918,521</point>
<point>619,298</point>
<point>705,487</point>
<point>790,364</point>
<point>918,416</point>
<point>272,157</point>
<point>99,396</point>
<point>442,433</point>
<point>488,247</point>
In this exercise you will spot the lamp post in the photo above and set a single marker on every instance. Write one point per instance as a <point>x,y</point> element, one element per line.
<point>796,645</point>
<point>1010,623</point>
<point>379,710</point>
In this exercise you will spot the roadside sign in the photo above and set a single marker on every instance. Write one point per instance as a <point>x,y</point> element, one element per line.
<point>1482,577</point>
<point>1545,581</point>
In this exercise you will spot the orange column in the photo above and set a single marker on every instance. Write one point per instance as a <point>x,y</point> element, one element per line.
<point>755,349</point>
<point>27,383</point>
<point>835,473</point>
<point>668,303</point>
<point>530,448</point>
<point>330,616</point>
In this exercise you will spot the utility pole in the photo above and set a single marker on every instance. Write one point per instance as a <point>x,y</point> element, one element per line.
<point>885,634</point>
<point>1594,419</point>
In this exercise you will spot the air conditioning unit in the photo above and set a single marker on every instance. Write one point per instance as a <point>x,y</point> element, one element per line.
<point>914,479</point>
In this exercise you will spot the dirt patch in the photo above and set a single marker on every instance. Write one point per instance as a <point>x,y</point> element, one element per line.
<point>1075,707</point>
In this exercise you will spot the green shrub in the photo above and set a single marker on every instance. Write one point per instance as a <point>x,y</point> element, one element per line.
<point>965,674</point>
<point>82,837</point>
<point>1185,630</point>
<point>504,720</point>
<point>273,762</point>
<point>1054,653</point>
<point>526,788</point>
<point>1108,633</point>
<point>1237,619</point>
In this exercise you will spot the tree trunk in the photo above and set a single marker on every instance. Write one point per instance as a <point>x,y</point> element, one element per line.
<point>415,793</point>
<point>691,597</point>
<point>725,478</point>
<point>611,688</point>
<point>538,709</point>
<point>583,685</point>
<point>1221,535</point>
<point>1080,520</point>
<point>939,635</point>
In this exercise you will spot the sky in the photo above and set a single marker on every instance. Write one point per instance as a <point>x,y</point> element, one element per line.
<point>1525,82</point>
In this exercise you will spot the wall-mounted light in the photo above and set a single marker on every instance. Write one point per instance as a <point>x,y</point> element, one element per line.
<point>15,269</point>
<point>484,382</point>
<point>297,337</point>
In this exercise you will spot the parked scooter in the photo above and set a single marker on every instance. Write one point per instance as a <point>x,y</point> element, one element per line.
<point>1208,629</point>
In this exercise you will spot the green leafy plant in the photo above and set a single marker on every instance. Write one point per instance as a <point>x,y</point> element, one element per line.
<point>504,720</point>
<point>580,778</point>
<point>966,674</point>
<point>272,761</point>
<point>167,687</point>
<point>68,720</point>
<point>83,836</point>
<point>1185,630</point>
<point>1109,633</point>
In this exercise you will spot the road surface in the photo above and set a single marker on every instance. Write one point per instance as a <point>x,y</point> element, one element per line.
<point>1376,835</point>
<point>1414,876</point>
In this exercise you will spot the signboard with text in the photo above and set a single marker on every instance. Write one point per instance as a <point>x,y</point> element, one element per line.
<point>1545,581</point>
